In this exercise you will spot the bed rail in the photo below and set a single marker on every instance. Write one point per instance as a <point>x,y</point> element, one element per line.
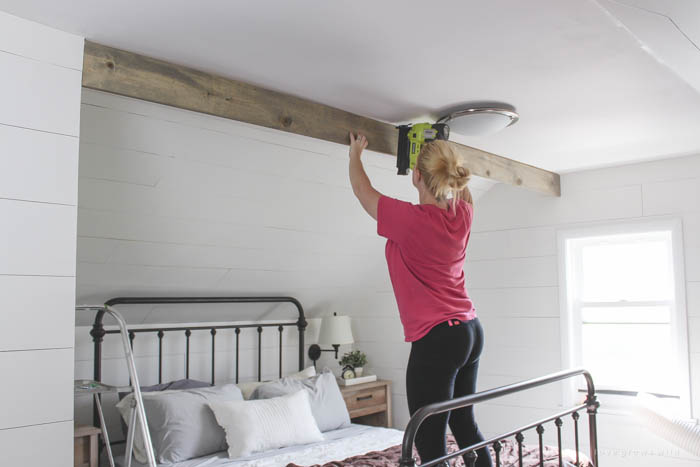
<point>590,404</point>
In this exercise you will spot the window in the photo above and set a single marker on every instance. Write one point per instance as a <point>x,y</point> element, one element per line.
<point>624,316</point>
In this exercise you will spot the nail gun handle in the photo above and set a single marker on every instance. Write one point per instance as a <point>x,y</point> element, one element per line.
<point>403,159</point>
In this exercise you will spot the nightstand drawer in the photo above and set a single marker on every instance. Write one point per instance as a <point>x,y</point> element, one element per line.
<point>363,399</point>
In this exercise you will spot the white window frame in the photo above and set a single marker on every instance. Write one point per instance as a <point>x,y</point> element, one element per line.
<point>571,322</point>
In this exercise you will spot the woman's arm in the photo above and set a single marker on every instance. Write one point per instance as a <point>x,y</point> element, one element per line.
<point>361,186</point>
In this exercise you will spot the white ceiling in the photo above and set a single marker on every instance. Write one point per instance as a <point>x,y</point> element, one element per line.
<point>596,83</point>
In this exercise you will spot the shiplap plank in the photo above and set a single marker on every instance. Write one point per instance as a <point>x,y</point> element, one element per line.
<point>39,239</point>
<point>259,280</point>
<point>520,362</point>
<point>400,411</point>
<point>141,278</point>
<point>506,207</point>
<point>525,332</point>
<point>319,204</point>
<point>41,388</point>
<point>122,165</point>
<point>33,40</point>
<point>38,166</point>
<point>378,329</point>
<point>218,155</point>
<point>693,299</point>
<point>672,196</point>
<point>516,302</point>
<point>174,255</point>
<point>95,250</point>
<point>512,243</point>
<point>95,223</point>
<point>547,397</point>
<point>39,96</point>
<point>387,355</point>
<point>38,446</point>
<point>37,312</point>
<point>661,170</point>
<point>540,271</point>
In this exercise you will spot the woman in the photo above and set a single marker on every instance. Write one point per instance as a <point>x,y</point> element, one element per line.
<point>425,252</point>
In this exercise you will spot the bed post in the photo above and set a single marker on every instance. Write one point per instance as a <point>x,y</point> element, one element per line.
<point>592,409</point>
<point>301,326</point>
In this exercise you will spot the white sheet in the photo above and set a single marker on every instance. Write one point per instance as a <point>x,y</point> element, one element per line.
<point>337,445</point>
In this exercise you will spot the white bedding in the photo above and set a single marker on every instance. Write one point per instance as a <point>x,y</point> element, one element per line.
<point>337,445</point>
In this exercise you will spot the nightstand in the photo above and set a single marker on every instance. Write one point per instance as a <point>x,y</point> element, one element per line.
<point>369,403</point>
<point>85,445</point>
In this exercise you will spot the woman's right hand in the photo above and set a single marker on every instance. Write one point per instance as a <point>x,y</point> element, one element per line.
<point>357,145</point>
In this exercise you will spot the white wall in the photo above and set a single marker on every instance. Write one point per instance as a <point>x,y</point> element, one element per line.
<point>513,278</point>
<point>39,128</point>
<point>174,202</point>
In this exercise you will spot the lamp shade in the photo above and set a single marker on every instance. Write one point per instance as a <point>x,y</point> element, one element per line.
<point>335,330</point>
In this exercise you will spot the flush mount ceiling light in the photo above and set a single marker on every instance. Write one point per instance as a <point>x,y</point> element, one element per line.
<point>480,120</point>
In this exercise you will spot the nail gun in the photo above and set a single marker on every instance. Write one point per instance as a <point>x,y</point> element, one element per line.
<point>412,138</point>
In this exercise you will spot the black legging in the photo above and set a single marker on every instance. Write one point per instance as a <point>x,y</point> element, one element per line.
<point>443,365</point>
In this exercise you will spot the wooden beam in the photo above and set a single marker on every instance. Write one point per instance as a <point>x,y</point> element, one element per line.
<point>129,74</point>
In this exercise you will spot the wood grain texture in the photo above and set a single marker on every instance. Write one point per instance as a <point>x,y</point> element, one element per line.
<point>128,74</point>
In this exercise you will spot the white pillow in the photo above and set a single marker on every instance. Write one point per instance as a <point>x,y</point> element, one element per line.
<point>260,425</point>
<point>249,387</point>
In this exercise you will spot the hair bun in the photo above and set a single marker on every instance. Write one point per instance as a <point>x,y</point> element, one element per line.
<point>442,168</point>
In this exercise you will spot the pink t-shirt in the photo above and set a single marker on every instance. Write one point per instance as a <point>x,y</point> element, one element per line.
<point>425,252</point>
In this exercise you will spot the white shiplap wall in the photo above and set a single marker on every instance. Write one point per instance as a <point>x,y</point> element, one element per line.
<point>174,202</point>
<point>512,270</point>
<point>39,128</point>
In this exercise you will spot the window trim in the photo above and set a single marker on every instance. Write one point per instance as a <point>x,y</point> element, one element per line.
<point>570,336</point>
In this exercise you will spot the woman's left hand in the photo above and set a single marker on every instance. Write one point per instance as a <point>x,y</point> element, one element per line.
<point>357,145</point>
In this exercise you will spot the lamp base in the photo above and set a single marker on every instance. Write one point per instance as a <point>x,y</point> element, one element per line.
<point>314,352</point>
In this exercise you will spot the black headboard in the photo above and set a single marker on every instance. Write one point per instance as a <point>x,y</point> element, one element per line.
<point>98,331</point>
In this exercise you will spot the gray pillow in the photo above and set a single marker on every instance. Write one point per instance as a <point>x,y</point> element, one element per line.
<point>181,423</point>
<point>327,404</point>
<point>169,386</point>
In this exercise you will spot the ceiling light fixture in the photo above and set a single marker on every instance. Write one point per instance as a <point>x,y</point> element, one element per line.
<point>480,121</point>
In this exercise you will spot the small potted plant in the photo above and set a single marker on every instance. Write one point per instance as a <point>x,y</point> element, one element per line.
<point>356,359</point>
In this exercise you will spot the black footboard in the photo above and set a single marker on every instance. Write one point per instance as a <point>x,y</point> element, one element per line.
<point>590,405</point>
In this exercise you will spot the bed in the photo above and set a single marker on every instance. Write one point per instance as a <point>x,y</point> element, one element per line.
<point>357,445</point>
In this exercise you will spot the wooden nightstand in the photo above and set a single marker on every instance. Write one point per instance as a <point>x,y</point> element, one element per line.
<point>85,445</point>
<point>369,403</point>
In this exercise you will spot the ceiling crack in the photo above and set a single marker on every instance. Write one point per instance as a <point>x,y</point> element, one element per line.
<point>647,10</point>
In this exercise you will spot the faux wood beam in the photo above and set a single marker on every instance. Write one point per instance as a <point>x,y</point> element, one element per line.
<point>129,74</point>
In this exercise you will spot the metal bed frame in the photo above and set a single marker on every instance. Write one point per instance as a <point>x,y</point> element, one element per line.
<point>591,405</point>
<point>98,333</point>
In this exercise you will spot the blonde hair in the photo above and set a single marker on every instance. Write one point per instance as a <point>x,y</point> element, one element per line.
<point>442,170</point>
